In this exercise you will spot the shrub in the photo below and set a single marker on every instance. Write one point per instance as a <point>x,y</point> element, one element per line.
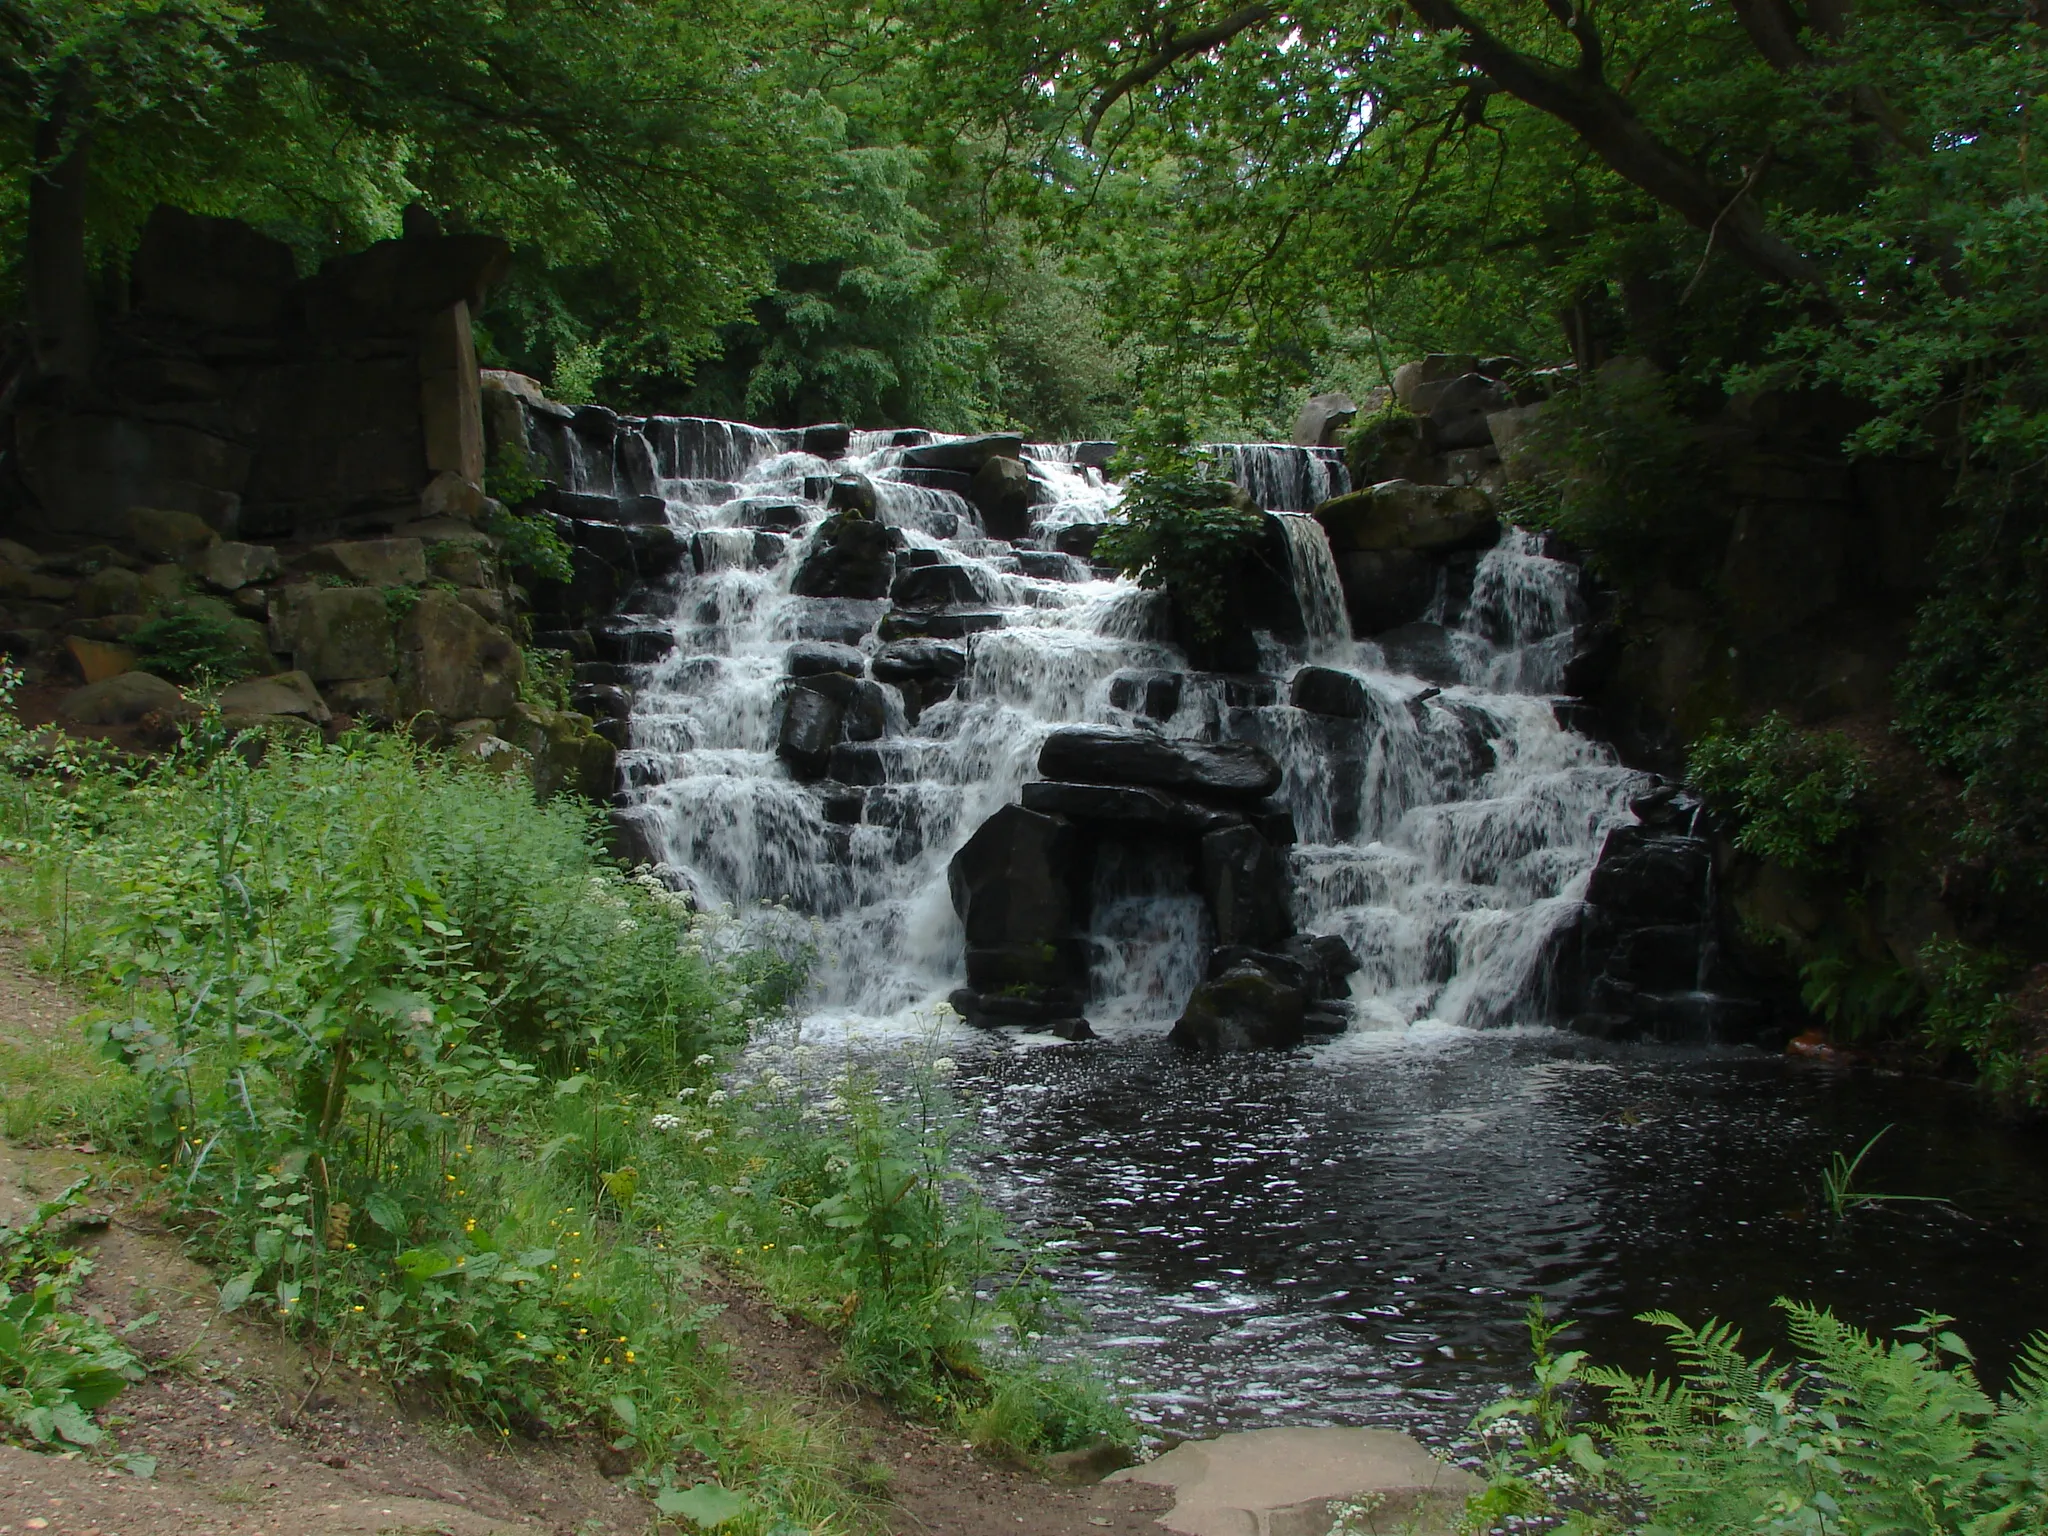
<point>1791,795</point>
<point>186,642</point>
<point>528,540</point>
<point>1186,532</point>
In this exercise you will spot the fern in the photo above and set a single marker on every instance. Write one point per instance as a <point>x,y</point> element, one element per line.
<point>1861,1437</point>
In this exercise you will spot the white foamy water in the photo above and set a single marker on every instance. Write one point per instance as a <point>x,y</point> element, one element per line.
<point>1447,834</point>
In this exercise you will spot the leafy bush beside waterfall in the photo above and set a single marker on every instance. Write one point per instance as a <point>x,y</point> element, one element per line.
<point>425,1075</point>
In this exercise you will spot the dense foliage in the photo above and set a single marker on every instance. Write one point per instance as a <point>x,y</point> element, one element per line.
<point>1789,795</point>
<point>1855,1434</point>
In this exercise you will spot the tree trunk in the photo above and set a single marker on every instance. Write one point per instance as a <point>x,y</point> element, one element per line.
<point>60,310</point>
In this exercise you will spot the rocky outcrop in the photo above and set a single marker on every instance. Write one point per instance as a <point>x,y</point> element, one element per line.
<point>1013,884</point>
<point>1401,515</point>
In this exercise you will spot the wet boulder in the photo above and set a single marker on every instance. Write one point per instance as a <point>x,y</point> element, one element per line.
<point>1244,881</point>
<point>936,626</point>
<point>1644,877</point>
<point>1384,588</point>
<point>1319,422</point>
<point>855,494</point>
<point>1327,962</point>
<point>1012,883</point>
<point>565,754</point>
<point>937,586</point>
<point>1087,754</point>
<point>1394,445</point>
<point>1459,411</point>
<point>286,693</point>
<point>918,660</point>
<point>1004,493</point>
<point>1078,539</point>
<point>810,730</point>
<point>454,662</point>
<point>1400,514</point>
<point>966,454</point>
<point>1124,806</point>
<point>1245,1009</point>
<point>1418,385</point>
<point>775,516</point>
<point>1326,691</point>
<point>808,658</point>
<point>849,556</point>
<point>828,440</point>
<point>1050,565</point>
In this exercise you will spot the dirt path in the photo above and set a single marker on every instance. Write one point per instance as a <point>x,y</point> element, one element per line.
<point>254,1437</point>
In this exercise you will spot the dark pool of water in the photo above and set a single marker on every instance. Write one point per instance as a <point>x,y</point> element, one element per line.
<point>1349,1235</point>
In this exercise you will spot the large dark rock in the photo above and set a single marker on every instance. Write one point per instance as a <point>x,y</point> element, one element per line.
<point>828,440</point>
<point>936,586</point>
<point>1392,446</point>
<point>1385,588</point>
<point>1013,885</point>
<point>1645,878</point>
<point>1245,1009</point>
<point>854,494</point>
<point>850,556</point>
<point>1089,754</point>
<point>214,274</point>
<point>807,658</point>
<point>917,660</point>
<point>1244,880</point>
<point>967,454</point>
<point>1078,539</point>
<point>1326,691</point>
<point>776,516</point>
<point>1003,493</point>
<point>899,625</point>
<point>961,485</point>
<point>1460,409</point>
<point>811,720</point>
<point>1402,515</point>
<point>1125,806</point>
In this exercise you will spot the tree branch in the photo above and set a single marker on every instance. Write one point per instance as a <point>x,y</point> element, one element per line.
<point>1775,32</point>
<point>1176,49</point>
<point>1602,117</point>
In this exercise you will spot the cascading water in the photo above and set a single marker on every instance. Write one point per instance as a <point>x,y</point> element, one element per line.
<point>1344,1233</point>
<point>1446,832</point>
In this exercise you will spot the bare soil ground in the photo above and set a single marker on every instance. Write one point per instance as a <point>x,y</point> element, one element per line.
<point>255,1436</point>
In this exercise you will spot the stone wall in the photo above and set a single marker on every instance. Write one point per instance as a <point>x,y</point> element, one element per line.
<point>293,468</point>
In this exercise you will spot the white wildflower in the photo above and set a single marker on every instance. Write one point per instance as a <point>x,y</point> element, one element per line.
<point>702,1061</point>
<point>716,1096</point>
<point>666,1123</point>
<point>944,1067</point>
<point>702,1133</point>
<point>686,1094</point>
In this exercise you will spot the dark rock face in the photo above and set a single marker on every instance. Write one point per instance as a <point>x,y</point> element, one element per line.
<point>1244,880</point>
<point>1393,447</point>
<point>1078,539</point>
<point>1155,695</point>
<point>917,660</point>
<point>850,556</point>
<point>967,455</point>
<point>1088,754</point>
<point>1124,806</point>
<point>777,516</point>
<point>1651,878</point>
<point>828,440</point>
<point>1013,885</point>
<point>1385,588</point>
<point>807,658</point>
<point>810,730</point>
<point>855,494</point>
<point>1003,492</point>
<point>1245,1009</point>
<point>1326,691</point>
<point>1460,410</point>
<point>1049,565</point>
<point>936,626</point>
<point>961,485</point>
<point>936,586</point>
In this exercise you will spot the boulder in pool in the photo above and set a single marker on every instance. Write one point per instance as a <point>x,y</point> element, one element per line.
<point>1247,1008</point>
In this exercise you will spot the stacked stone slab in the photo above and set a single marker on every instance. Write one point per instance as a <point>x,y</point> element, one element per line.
<point>1021,886</point>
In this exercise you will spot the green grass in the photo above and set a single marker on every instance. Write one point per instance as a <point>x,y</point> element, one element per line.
<point>431,1079</point>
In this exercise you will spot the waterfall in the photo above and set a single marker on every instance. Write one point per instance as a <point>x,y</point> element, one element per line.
<point>1282,477</point>
<point>1446,831</point>
<point>1316,587</point>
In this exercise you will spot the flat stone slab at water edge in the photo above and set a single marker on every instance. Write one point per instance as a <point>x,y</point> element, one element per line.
<point>1284,1482</point>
